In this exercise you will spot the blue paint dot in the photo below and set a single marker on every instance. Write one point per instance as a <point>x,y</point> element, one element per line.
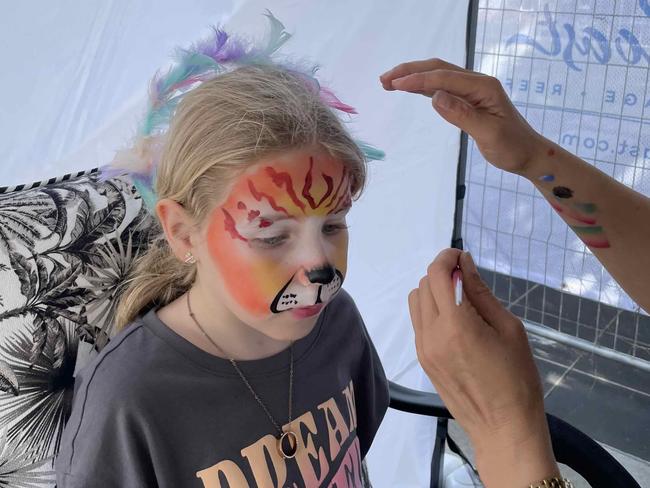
<point>547,178</point>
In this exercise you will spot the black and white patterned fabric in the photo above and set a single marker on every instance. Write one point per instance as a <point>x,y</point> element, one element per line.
<point>65,245</point>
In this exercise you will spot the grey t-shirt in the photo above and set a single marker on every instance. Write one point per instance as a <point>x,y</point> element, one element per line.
<point>154,410</point>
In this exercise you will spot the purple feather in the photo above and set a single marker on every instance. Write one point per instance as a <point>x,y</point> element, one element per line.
<point>213,45</point>
<point>221,47</point>
<point>233,51</point>
<point>106,172</point>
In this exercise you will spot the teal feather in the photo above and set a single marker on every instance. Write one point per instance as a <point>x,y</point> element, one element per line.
<point>147,194</point>
<point>277,37</point>
<point>372,153</point>
<point>197,62</point>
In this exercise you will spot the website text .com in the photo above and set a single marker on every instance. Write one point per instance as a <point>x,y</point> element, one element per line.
<point>605,146</point>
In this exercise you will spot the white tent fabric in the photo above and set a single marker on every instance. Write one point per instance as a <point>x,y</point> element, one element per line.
<point>74,88</point>
<point>578,72</point>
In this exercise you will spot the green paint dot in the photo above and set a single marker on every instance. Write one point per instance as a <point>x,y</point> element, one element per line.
<point>586,207</point>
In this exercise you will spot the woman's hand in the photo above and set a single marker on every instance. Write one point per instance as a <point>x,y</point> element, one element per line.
<point>610,218</point>
<point>475,103</point>
<point>478,358</point>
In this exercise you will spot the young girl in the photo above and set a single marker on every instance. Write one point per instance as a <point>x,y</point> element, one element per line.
<point>240,361</point>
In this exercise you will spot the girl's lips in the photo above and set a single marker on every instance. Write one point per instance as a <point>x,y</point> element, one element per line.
<point>303,312</point>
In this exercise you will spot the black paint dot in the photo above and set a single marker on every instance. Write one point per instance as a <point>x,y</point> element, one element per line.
<point>562,192</point>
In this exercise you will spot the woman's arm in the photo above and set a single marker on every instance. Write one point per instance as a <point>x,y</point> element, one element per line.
<point>477,356</point>
<point>609,217</point>
<point>612,219</point>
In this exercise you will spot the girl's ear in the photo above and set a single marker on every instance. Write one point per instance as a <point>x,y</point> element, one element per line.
<point>177,225</point>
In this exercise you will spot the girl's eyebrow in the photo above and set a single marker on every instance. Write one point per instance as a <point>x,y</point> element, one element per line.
<point>276,217</point>
<point>270,218</point>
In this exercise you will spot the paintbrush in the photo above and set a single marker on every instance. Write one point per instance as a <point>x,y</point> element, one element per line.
<point>457,280</point>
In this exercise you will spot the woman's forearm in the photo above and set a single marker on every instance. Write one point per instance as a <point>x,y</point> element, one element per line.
<point>610,218</point>
<point>517,469</point>
<point>516,459</point>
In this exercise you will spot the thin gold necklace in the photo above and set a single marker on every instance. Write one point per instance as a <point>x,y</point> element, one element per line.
<point>287,442</point>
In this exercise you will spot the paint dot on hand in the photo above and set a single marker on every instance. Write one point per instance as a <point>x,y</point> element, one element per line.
<point>551,152</point>
<point>562,192</point>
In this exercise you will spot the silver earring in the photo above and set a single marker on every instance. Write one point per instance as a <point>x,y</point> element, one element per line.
<point>189,258</point>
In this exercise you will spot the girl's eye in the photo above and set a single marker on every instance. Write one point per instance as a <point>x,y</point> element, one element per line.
<point>334,228</point>
<point>271,241</point>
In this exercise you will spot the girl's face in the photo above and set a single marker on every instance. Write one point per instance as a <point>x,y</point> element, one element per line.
<point>279,242</point>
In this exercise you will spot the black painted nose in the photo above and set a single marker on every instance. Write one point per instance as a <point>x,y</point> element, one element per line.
<point>321,275</point>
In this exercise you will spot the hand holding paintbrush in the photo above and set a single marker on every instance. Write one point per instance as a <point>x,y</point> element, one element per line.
<point>476,354</point>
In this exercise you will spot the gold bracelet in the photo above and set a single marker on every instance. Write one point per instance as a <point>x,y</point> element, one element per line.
<point>552,483</point>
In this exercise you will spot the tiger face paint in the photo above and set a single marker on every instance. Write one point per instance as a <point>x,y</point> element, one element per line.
<point>279,240</point>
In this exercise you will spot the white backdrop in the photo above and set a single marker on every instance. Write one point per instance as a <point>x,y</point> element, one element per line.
<point>74,87</point>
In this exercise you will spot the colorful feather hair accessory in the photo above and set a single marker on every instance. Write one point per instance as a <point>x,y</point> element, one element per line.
<point>219,53</point>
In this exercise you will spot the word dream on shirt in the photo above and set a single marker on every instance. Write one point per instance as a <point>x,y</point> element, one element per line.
<point>329,454</point>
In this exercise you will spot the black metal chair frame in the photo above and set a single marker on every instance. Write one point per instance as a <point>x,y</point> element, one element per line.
<point>571,446</point>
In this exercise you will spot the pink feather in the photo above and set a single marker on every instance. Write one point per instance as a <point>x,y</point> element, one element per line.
<point>332,100</point>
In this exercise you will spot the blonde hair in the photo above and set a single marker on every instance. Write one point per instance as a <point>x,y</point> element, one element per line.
<point>217,131</point>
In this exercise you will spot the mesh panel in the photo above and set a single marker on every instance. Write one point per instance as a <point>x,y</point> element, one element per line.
<point>578,72</point>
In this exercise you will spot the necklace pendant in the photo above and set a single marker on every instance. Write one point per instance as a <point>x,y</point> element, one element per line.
<point>288,444</point>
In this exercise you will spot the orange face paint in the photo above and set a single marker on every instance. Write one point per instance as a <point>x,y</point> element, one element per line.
<point>297,202</point>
